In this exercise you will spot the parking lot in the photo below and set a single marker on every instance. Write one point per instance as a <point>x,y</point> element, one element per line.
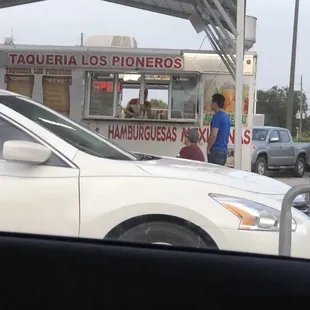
<point>286,178</point>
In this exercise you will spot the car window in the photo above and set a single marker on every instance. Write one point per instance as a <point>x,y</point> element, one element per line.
<point>73,133</point>
<point>284,136</point>
<point>259,134</point>
<point>10,132</point>
<point>274,134</point>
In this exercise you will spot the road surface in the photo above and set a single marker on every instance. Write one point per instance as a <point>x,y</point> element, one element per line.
<point>290,180</point>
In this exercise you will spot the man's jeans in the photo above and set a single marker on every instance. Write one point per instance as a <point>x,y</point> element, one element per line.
<point>217,157</point>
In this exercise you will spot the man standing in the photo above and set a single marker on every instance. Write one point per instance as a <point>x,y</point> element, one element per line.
<point>220,129</point>
<point>191,150</point>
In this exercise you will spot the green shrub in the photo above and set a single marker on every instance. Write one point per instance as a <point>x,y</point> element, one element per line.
<point>302,138</point>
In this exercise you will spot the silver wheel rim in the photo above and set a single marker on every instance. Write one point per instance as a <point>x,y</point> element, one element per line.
<point>162,243</point>
<point>261,168</point>
<point>300,167</point>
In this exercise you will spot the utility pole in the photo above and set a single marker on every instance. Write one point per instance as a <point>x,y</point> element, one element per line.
<point>301,112</point>
<point>82,39</point>
<point>12,35</point>
<point>289,111</point>
<point>241,6</point>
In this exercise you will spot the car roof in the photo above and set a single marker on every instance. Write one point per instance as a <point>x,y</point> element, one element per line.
<point>268,127</point>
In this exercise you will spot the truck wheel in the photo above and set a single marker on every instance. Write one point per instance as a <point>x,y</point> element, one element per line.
<point>260,166</point>
<point>300,167</point>
<point>163,233</point>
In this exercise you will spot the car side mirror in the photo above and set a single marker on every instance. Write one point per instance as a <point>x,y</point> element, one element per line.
<point>25,152</point>
<point>274,139</point>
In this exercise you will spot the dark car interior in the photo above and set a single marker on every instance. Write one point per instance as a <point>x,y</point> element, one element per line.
<point>40,272</point>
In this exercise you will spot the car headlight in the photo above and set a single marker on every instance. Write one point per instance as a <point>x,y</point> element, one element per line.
<point>252,215</point>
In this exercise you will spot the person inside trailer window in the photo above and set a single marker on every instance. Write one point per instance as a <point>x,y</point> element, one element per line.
<point>133,108</point>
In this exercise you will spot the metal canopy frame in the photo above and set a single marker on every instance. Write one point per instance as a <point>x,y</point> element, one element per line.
<point>217,18</point>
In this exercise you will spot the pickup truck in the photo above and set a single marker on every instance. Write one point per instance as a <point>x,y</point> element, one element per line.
<point>273,149</point>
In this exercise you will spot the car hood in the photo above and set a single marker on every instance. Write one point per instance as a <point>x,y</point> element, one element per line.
<point>209,173</point>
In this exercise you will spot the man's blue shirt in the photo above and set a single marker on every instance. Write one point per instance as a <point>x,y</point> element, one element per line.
<point>221,121</point>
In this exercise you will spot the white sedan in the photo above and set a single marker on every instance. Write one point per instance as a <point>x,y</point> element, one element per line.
<point>58,178</point>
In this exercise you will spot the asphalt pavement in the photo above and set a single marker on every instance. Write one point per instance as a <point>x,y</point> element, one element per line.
<point>288,179</point>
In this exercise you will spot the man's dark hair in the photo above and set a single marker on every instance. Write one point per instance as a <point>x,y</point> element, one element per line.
<point>219,99</point>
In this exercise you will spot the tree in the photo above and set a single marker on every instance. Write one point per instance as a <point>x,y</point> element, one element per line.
<point>159,104</point>
<point>273,104</point>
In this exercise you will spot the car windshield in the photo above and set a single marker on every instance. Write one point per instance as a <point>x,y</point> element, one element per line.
<point>68,130</point>
<point>259,134</point>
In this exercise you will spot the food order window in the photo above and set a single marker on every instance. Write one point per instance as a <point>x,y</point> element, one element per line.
<point>167,97</point>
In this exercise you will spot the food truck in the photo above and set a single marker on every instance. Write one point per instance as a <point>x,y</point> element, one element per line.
<point>92,85</point>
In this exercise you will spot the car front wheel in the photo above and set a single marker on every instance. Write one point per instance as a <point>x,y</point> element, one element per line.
<point>260,166</point>
<point>300,167</point>
<point>166,233</point>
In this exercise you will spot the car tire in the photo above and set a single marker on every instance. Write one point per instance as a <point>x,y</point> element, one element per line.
<point>300,167</point>
<point>165,233</point>
<point>260,166</point>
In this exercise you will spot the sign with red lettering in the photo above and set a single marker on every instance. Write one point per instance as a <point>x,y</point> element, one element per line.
<point>204,134</point>
<point>96,60</point>
<point>141,132</point>
<point>106,85</point>
<point>164,133</point>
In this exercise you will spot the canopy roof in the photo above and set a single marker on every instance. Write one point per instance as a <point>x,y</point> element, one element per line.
<point>182,8</point>
<point>217,18</point>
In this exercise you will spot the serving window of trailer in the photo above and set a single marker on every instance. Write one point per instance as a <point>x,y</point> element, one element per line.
<point>167,97</point>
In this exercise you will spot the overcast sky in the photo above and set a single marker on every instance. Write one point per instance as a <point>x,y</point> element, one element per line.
<point>60,22</point>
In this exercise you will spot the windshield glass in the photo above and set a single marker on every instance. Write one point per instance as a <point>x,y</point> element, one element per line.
<point>73,133</point>
<point>259,134</point>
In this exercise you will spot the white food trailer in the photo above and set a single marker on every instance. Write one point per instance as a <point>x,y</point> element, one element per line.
<point>93,85</point>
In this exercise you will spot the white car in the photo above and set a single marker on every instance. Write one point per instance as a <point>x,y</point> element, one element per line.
<point>58,178</point>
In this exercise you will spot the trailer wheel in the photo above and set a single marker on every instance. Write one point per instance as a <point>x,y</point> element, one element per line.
<point>260,166</point>
<point>300,166</point>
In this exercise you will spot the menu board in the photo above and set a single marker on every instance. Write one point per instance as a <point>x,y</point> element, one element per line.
<point>189,108</point>
<point>20,84</point>
<point>101,97</point>
<point>56,92</point>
